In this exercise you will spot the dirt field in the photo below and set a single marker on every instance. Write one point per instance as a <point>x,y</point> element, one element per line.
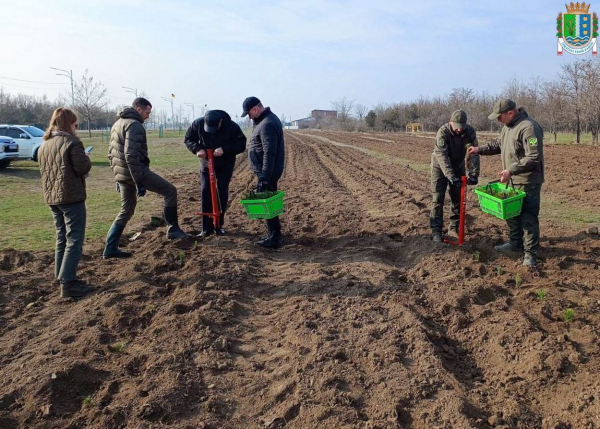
<point>359,321</point>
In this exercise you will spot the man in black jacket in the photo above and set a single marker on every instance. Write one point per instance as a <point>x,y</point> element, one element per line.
<point>215,131</point>
<point>266,158</point>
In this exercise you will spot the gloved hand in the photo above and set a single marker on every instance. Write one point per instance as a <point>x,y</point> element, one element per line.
<point>262,186</point>
<point>141,190</point>
<point>117,187</point>
<point>455,182</point>
<point>472,181</point>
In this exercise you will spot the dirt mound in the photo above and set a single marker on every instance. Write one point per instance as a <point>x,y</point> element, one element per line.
<point>11,259</point>
<point>359,321</point>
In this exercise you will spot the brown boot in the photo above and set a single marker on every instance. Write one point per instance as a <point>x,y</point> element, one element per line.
<point>74,289</point>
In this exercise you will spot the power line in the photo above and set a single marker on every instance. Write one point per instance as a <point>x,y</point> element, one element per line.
<point>32,81</point>
<point>28,87</point>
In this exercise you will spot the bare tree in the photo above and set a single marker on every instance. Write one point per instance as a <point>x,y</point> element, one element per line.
<point>573,76</point>
<point>590,100</point>
<point>343,107</point>
<point>360,111</point>
<point>90,98</point>
<point>555,107</point>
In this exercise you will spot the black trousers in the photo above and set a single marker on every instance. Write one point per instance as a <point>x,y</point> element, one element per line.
<point>223,174</point>
<point>273,225</point>
<point>525,228</point>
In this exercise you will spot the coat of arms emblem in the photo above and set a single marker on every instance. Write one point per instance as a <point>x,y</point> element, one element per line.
<point>577,30</point>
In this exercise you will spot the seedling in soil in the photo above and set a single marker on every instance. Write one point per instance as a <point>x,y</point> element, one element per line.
<point>476,256</point>
<point>518,280</point>
<point>541,294</point>
<point>152,307</point>
<point>499,271</point>
<point>87,401</point>
<point>118,347</point>
<point>569,315</point>
<point>181,258</point>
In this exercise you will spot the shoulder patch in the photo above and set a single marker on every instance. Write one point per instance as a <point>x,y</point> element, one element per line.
<point>441,143</point>
<point>533,141</point>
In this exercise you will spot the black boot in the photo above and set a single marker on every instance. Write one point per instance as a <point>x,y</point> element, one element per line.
<point>74,289</point>
<point>112,243</point>
<point>173,232</point>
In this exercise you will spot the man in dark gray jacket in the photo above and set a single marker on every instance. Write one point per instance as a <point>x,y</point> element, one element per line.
<point>128,155</point>
<point>266,157</point>
<point>521,147</point>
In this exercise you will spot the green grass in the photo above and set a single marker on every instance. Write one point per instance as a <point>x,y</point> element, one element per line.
<point>553,208</point>
<point>27,222</point>
<point>566,138</point>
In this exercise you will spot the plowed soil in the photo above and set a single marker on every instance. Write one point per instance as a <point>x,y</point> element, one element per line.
<point>358,321</point>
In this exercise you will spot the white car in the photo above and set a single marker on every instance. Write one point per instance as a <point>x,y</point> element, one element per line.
<point>28,137</point>
<point>9,151</point>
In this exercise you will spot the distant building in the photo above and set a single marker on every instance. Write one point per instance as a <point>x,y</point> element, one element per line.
<point>323,114</point>
<point>303,123</point>
<point>316,118</point>
<point>414,127</point>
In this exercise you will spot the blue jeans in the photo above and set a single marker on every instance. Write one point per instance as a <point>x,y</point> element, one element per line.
<point>69,220</point>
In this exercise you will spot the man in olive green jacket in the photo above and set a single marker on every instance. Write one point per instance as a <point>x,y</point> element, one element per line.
<point>448,165</point>
<point>521,146</point>
<point>130,164</point>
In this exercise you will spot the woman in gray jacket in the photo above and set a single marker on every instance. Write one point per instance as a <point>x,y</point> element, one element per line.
<point>63,167</point>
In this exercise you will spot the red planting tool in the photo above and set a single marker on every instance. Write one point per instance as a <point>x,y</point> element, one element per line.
<point>216,210</point>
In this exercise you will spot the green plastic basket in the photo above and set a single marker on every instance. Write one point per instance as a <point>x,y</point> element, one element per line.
<point>503,209</point>
<point>264,209</point>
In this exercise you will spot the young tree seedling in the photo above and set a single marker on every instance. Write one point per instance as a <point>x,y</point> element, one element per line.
<point>118,347</point>
<point>518,280</point>
<point>87,401</point>
<point>569,315</point>
<point>476,256</point>
<point>541,294</point>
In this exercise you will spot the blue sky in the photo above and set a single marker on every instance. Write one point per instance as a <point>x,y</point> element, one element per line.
<point>294,55</point>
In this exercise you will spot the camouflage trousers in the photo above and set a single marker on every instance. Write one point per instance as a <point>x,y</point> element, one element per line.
<point>524,230</point>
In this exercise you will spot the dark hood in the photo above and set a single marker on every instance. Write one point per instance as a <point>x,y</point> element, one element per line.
<point>224,117</point>
<point>129,113</point>
<point>518,117</point>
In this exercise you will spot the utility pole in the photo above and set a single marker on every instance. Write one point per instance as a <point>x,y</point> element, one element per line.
<point>69,74</point>
<point>131,90</point>
<point>193,111</point>
<point>172,111</point>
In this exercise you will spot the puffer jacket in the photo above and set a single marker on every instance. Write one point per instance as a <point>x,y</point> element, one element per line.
<point>128,148</point>
<point>63,166</point>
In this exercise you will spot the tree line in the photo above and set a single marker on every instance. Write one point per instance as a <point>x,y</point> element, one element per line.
<point>569,103</point>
